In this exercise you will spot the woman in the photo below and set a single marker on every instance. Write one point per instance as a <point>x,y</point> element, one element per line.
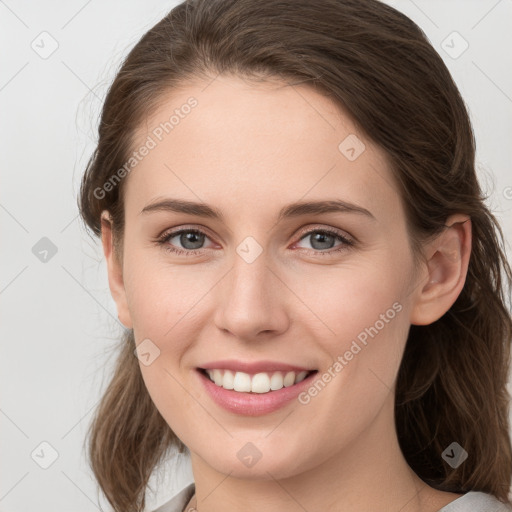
<point>309,278</point>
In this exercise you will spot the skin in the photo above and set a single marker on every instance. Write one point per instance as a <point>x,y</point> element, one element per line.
<point>249,149</point>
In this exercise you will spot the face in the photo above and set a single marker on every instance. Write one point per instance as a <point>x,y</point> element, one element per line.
<point>328,289</point>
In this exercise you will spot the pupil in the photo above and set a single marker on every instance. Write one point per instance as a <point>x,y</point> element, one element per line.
<point>196,239</point>
<point>321,238</point>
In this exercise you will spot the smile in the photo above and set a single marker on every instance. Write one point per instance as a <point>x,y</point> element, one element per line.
<point>263,382</point>
<point>253,394</point>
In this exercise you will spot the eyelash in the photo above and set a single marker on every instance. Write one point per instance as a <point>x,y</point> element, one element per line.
<point>164,239</point>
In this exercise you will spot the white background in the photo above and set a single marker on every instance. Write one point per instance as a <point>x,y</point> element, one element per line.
<point>58,319</point>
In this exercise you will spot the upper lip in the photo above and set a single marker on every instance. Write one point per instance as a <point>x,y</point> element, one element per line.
<point>253,367</point>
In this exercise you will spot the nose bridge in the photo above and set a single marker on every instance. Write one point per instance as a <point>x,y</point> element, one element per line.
<point>250,276</point>
<point>249,285</point>
<point>251,299</point>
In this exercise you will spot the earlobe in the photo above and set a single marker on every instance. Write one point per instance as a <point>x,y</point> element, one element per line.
<point>115,271</point>
<point>447,265</point>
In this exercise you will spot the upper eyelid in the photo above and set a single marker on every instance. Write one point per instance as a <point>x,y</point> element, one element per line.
<point>172,232</point>
<point>335,231</point>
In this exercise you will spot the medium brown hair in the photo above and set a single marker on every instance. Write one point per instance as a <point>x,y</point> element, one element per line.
<point>378,66</point>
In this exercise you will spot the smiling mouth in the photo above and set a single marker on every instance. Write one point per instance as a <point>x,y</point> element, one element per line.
<point>263,382</point>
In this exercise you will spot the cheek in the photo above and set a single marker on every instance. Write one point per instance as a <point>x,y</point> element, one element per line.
<point>361,313</point>
<point>164,303</point>
<point>162,298</point>
<point>363,330</point>
<point>347,300</point>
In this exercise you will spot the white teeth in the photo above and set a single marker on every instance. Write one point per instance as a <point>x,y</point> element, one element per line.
<point>259,383</point>
<point>217,377</point>
<point>228,381</point>
<point>301,376</point>
<point>242,382</point>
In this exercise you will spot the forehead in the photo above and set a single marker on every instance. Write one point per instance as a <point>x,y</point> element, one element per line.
<point>240,144</point>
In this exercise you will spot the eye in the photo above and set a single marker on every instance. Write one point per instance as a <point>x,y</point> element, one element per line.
<point>323,239</point>
<point>191,241</point>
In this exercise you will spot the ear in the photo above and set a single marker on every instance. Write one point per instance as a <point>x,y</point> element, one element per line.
<point>445,273</point>
<point>115,271</point>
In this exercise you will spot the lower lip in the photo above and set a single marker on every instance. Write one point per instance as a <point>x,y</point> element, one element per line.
<point>253,404</point>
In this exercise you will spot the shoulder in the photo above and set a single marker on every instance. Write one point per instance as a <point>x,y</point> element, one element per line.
<point>178,502</point>
<point>474,501</point>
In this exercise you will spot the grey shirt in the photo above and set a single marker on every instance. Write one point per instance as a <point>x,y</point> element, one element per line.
<point>472,501</point>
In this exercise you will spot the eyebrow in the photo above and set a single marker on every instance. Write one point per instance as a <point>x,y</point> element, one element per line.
<point>292,210</point>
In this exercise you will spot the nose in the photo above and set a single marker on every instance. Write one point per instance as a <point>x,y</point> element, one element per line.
<point>252,301</point>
